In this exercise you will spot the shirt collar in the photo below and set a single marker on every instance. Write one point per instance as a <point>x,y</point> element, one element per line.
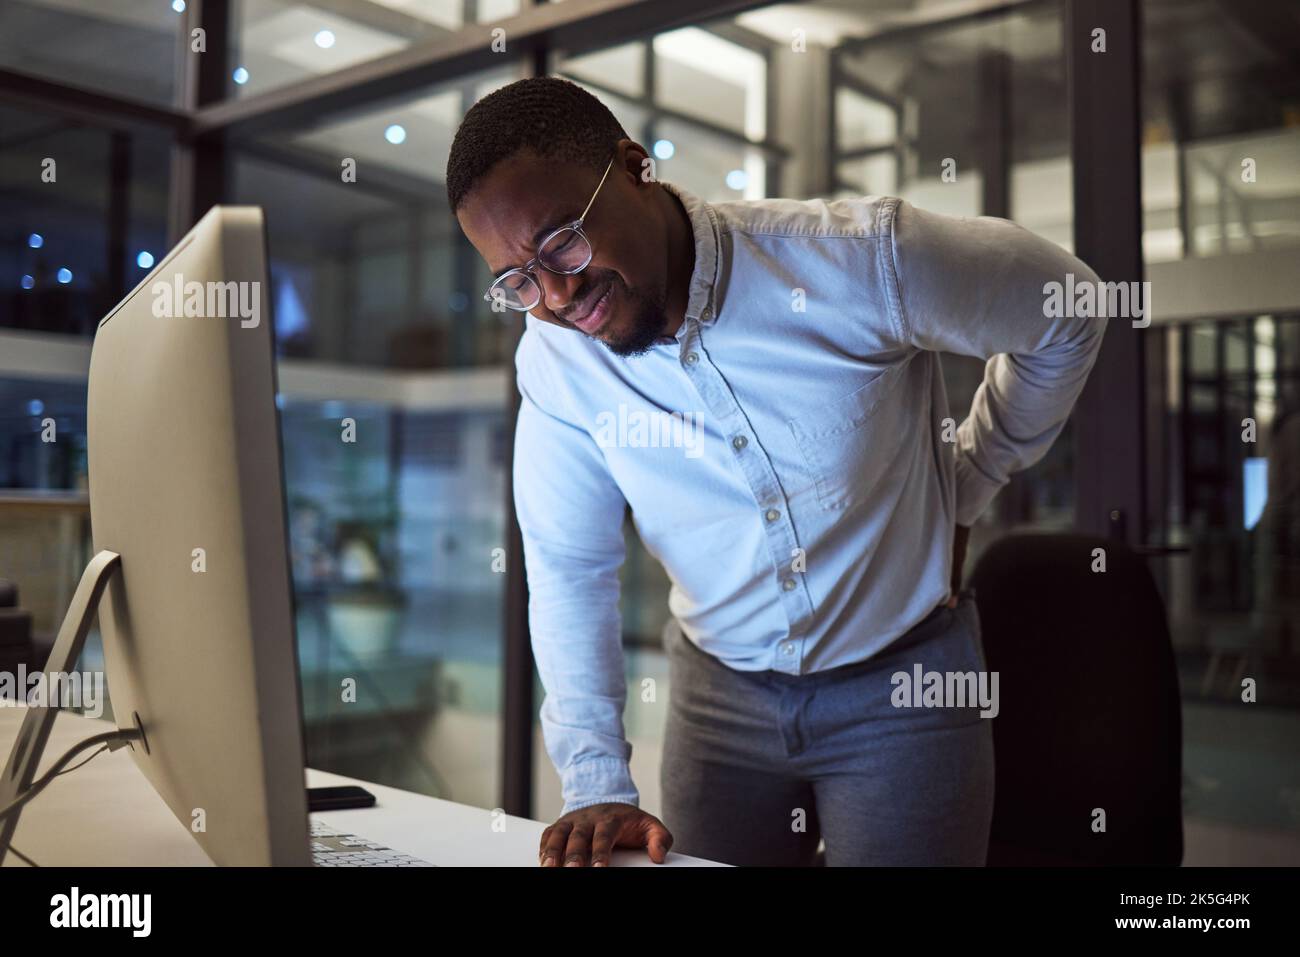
<point>700,304</point>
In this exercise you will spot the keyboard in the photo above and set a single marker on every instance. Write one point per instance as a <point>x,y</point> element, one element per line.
<point>330,848</point>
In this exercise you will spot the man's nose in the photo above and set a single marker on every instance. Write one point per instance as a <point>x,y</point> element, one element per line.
<point>558,291</point>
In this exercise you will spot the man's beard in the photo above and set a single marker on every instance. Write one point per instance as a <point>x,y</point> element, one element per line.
<point>646,327</point>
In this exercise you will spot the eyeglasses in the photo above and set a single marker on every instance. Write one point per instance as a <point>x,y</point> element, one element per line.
<point>564,251</point>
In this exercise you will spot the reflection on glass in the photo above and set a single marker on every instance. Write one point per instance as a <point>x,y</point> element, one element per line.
<point>619,69</point>
<point>714,168</point>
<point>861,121</point>
<point>32,411</point>
<point>277,42</point>
<point>398,592</point>
<point>83,43</point>
<point>713,79</point>
<point>1221,145</point>
<point>966,119</point>
<point>368,265</point>
<point>70,249</point>
<point>1233,589</point>
<point>1221,178</point>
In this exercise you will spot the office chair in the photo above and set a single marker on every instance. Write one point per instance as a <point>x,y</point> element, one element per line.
<point>1089,705</point>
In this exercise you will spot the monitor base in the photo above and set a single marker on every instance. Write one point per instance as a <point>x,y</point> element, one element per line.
<point>25,756</point>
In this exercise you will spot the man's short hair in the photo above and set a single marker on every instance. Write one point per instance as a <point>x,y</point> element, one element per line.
<point>546,115</point>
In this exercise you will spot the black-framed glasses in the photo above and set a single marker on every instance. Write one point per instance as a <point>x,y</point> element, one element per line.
<point>565,251</point>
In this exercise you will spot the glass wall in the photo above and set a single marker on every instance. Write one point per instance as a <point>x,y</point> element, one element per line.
<point>1221,237</point>
<point>44,513</point>
<point>85,213</point>
<point>275,43</point>
<point>83,42</point>
<point>368,266</point>
<point>392,545</point>
<point>380,323</point>
<point>396,530</point>
<point>697,90</point>
<point>966,117</point>
<point>1221,150</point>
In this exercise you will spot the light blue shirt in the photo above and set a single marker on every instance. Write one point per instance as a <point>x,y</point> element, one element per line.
<point>785,454</point>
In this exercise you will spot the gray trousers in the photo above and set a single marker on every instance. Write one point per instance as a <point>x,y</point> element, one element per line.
<point>758,767</point>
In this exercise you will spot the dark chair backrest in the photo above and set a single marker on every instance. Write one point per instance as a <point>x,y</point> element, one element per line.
<point>16,648</point>
<point>1089,710</point>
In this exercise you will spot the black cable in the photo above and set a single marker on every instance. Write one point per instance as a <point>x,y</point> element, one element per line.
<point>109,738</point>
<point>85,762</point>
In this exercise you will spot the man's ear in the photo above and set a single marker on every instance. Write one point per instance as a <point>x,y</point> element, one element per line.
<point>635,160</point>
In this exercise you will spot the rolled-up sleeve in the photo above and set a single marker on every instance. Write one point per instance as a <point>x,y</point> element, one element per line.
<point>571,515</point>
<point>978,286</point>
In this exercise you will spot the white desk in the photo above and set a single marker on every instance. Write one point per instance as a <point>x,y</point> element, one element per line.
<point>106,813</point>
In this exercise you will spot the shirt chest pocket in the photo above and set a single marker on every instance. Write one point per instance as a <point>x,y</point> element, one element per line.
<point>850,443</point>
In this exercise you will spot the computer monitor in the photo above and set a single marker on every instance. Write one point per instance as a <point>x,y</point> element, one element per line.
<point>186,488</point>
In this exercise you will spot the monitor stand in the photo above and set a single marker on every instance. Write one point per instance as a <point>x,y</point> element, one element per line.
<point>28,747</point>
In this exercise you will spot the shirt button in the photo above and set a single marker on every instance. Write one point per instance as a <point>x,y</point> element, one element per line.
<point>788,584</point>
<point>787,648</point>
<point>739,442</point>
<point>691,358</point>
<point>772,515</point>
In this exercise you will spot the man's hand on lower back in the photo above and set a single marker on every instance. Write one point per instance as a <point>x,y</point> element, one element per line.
<point>586,837</point>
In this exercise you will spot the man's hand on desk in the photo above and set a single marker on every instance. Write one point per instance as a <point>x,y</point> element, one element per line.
<point>588,835</point>
<point>959,540</point>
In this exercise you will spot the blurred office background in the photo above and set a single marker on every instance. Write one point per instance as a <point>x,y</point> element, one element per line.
<point>398,540</point>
